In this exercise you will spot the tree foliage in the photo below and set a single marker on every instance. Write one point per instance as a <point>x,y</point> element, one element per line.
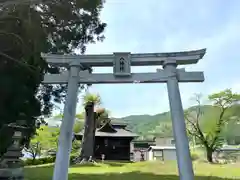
<point>27,30</point>
<point>94,98</point>
<point>101,114</point>
<point>45,141</point>
<point>34,149</point>
<point>78,126</point>
<point>211,136</point>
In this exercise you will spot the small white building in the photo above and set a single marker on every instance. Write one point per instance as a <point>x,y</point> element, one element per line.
<point>164,153</point>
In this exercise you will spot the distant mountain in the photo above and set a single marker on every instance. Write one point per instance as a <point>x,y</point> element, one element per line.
<point>142,124</point>
<point>148,124</point>
<point>159,123</point>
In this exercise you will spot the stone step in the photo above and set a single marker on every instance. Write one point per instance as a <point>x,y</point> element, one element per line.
<point>14,148</point>
<point>13,154</point>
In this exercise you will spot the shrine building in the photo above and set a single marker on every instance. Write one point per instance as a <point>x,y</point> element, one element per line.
<point>113,140</point>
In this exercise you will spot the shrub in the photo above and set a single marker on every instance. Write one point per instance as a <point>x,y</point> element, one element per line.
<point>39,161</point>
<point>194,156</point>
<point>45,160</point>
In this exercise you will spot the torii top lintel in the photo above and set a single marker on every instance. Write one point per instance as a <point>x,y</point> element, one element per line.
<point>142,59</point>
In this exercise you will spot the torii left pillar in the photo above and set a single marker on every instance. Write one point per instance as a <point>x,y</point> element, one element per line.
<point>65,138</point>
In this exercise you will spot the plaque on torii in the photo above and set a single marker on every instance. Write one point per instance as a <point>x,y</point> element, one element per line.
<point>121,63</point>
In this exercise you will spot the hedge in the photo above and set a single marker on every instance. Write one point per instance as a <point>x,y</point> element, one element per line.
<point>45,160</point>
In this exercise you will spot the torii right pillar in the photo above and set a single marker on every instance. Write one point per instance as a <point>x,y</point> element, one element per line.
<point>184,160</point>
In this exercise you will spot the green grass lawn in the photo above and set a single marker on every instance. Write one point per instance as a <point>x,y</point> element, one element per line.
<point>138,171</point>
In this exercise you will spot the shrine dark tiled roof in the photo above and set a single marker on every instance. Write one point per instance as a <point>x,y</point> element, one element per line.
<point>118,133</point>
<point>108,130</point>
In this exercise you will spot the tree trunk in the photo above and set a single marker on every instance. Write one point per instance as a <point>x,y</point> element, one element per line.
<point>33,158</point>
<point>88,136</point>
<point>94,131</point>
<point>209,154</point>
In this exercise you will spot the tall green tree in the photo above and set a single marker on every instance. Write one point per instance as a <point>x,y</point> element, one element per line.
<point>90,101</point>
<point>34,149</point>
<point>46,140</point>
<point>29,28</point>
<point>94,117</point>
<point>43,141</point>
<point>210,135</point>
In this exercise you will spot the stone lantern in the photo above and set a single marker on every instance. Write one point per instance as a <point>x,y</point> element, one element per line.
<point>11,164</point>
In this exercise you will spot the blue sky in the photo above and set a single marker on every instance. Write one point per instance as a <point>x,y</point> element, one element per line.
<point>141,26</point>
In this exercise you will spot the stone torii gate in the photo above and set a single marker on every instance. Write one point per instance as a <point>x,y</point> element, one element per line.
<point>121,63</point>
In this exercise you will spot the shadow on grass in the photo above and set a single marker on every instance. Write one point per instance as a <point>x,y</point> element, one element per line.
<point>45,173</point>
<point>136,175</point>
<point>118,176</point>
<point>115,164</point>
<point>86,165</point>
<point>99,163</point>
